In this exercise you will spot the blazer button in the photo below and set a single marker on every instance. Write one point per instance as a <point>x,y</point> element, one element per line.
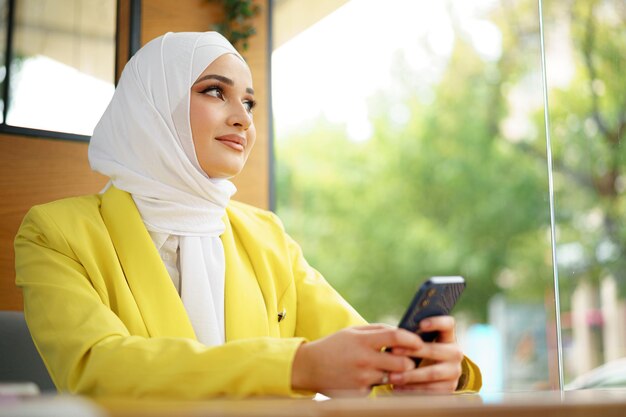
<point>282,315</point>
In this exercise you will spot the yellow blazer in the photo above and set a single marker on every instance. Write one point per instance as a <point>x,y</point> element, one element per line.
<point>107,320</point>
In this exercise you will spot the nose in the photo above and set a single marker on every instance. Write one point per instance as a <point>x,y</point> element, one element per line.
<point>240,117</point>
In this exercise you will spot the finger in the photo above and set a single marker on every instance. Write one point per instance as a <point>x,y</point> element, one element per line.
<point>384,379</point>
<point>392,337</point>
<point>438,372</point>
<point>436,352</point>
<point>376,326</point>
<point>392,363</point>
<point>445,325</point>
<point>372,377</point>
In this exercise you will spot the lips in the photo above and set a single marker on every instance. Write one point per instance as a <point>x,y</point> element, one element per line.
<point>235,142</point>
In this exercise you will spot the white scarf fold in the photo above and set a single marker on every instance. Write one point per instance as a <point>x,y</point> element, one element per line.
<point>143,143</point>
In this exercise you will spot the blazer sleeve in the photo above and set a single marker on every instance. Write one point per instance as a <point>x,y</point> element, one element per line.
<point>88,349</point>
<point>322,311</point>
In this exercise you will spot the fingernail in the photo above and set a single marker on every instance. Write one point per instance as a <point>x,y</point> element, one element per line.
<point>425,324</point>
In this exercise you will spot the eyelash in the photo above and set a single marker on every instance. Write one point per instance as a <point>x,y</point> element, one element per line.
<point>251,103</point>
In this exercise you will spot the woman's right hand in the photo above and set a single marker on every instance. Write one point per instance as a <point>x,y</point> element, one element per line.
<point>352,359</point>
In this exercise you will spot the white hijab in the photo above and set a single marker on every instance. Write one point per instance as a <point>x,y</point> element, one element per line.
<point>143,142</point>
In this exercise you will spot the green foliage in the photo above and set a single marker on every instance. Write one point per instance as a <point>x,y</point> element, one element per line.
<point>438,196</point>
<point>588,118</point>
<point>236,26</point>
<point>448,193</point>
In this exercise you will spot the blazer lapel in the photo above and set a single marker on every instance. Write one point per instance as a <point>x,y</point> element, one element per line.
<point>161,308</point>
<point>245,312</point>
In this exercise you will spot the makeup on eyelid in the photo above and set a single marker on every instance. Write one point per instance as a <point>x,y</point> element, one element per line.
<point>249,103</point>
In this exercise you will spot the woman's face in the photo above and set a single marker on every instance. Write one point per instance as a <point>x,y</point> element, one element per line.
<point>220,113</point>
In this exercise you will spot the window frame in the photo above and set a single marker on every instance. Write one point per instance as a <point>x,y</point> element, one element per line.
<point>128,18</point>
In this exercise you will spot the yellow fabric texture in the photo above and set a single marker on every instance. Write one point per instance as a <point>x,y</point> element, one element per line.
<point>107,320</point>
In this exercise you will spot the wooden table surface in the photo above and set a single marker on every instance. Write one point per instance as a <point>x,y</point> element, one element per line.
<point>605,403</point>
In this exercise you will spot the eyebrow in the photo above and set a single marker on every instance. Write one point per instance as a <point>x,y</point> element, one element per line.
<point>223,79</point>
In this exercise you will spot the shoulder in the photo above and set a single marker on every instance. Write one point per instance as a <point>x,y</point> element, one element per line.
<point>257,228</point>
<point>252,216</point>
<point>68,215</point>
<point>72,209</point>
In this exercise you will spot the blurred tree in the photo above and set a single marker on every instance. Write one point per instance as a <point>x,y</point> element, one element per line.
<point>588,117</point>
<point>452,190</point>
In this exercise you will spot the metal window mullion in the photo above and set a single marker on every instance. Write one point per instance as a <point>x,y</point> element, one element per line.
<point>7,60</point>
<point>134,38</point>
<point>41,134</point>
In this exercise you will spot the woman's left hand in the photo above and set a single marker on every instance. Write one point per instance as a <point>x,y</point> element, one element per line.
<point>440,368</point>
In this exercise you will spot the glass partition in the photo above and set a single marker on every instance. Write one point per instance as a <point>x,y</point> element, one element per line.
<point>410,142</point>
<point>586,50</point>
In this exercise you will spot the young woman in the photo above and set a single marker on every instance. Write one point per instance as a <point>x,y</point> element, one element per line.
<point>163,286</point>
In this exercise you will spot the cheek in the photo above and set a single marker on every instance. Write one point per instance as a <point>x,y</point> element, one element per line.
<point>251,138</point>
<point>201,118</point>
<point>194,118</point>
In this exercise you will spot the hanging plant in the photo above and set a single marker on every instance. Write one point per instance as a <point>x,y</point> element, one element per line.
<point>236,26</point>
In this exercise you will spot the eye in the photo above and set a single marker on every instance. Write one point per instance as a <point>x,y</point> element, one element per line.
<point>250,104</point>
<point>214,91</point>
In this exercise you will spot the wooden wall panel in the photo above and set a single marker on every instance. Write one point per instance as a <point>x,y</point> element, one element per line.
<point>34,171</point>
<point>254,182</point>
<point>122,37</point>
<point>160,16</point>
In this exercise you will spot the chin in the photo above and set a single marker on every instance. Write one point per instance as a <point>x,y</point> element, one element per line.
<point>225,169</point>
<point>223,174</point>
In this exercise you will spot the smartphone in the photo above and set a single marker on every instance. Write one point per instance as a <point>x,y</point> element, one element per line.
<point>435,297</point>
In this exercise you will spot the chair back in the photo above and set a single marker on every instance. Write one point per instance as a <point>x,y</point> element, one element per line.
<point>19,359</point>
